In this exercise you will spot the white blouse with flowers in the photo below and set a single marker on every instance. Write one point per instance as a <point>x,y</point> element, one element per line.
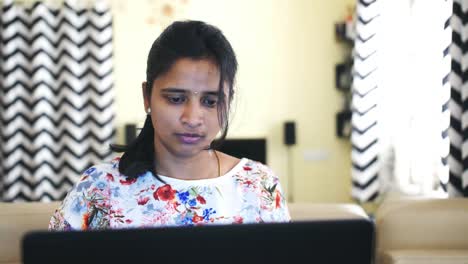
<point>104,198</point>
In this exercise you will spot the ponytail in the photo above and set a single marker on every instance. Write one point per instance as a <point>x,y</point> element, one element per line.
<point>138,157</point>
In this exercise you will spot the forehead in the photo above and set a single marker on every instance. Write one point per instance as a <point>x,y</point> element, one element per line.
<point>189,74</point>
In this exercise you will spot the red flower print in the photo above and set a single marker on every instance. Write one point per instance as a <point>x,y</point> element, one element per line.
<point>196,218</point>
<point>109,177</point>
<point>248,182</point>
<point>247,168</point>
<point>142,200</point>
<point>128,181</point>
<point>153,187</point>
<point>201,200</point>
<point>128,221</point>
<point>85,223</point>
<point>238,220</point>
<point>164,193</point>
<point>278,199</point>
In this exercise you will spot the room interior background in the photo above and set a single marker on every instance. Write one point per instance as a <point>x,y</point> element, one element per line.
<point>287,53</point>
<point>285,74</point>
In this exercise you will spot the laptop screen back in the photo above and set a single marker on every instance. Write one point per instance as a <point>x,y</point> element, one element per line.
<point>340,241</point>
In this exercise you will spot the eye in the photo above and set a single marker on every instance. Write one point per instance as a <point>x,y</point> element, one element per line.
<point>209,101</point>
<point>176,99</point>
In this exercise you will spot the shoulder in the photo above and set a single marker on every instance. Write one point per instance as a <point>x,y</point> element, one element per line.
<point>229,163</point>
<point>256,173</point>
<point>86,204</point>
<point>258,168</point>
<point>99,177</point>
<point>102,171</point>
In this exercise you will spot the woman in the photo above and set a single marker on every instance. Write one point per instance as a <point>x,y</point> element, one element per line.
<point>171,175</point>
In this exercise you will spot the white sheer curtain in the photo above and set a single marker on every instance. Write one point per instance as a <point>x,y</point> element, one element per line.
<point>411,119</point>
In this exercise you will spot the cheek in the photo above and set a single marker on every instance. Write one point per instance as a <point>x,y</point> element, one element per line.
<point>213,123</point>
<point>162,117</point>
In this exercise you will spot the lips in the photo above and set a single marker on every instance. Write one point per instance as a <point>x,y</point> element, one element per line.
<point>189,138</point>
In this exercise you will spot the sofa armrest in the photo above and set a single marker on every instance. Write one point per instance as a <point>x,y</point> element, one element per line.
<point>422,224</point>
<point>18,218</point>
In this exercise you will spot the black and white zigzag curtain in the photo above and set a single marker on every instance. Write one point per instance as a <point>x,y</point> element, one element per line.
<point>364,136</point>
<point>56,97</point>
<point>458,132</point>
<point>446,43</point>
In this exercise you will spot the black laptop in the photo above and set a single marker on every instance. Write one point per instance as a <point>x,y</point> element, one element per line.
<point>331,242</point>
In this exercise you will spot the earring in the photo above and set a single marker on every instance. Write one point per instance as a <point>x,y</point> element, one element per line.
<point>148,111</point>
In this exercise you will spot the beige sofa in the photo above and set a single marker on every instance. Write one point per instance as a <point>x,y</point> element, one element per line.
<point>409,231</point>
<point>417,231</point>
<point>18,218</point>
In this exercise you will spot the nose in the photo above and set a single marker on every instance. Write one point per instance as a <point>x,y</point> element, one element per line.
<point>192,115</point>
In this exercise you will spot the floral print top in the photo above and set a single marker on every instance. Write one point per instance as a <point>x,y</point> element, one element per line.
<point>103,198</point>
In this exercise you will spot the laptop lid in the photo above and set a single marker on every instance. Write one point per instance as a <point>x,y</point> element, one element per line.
<point>337,241</point>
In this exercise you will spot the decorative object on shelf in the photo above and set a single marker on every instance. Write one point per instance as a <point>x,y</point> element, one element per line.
<point>343,123</point>
<point>164,11</point>
<point>345,33</point>
<point>343,77</point>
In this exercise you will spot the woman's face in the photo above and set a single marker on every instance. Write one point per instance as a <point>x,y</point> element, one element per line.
<point>184,108</point>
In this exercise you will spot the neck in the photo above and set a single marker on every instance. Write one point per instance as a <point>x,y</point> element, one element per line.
<point>204,165</point>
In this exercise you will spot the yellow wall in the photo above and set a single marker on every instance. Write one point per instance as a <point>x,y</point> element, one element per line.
<point>287,53</point>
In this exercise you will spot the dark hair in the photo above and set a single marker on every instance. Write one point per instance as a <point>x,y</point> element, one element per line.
<point>182,39</point>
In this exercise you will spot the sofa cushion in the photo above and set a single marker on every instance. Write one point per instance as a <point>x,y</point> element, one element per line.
<point>424,257</point>
<point>18,218</point>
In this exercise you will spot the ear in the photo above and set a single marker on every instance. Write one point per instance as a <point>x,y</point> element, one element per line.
<point>146,100</point>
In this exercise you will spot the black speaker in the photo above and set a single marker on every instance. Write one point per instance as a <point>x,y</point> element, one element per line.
<point>289,133</point>
<point>130,133</point>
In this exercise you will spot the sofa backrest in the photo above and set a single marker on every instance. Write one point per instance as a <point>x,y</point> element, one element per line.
<point>324,211</point>
<point>18,218</point>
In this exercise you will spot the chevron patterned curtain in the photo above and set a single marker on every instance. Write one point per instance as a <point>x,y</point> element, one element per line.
<point>364,136</point>
<point>445,93</point>
<point>56,97</point>
<point>458,132</point>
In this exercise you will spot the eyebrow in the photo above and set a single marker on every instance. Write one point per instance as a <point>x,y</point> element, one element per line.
<point>180,90</point>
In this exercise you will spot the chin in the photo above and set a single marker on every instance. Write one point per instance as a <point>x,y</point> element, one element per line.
<point>191,150</point>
